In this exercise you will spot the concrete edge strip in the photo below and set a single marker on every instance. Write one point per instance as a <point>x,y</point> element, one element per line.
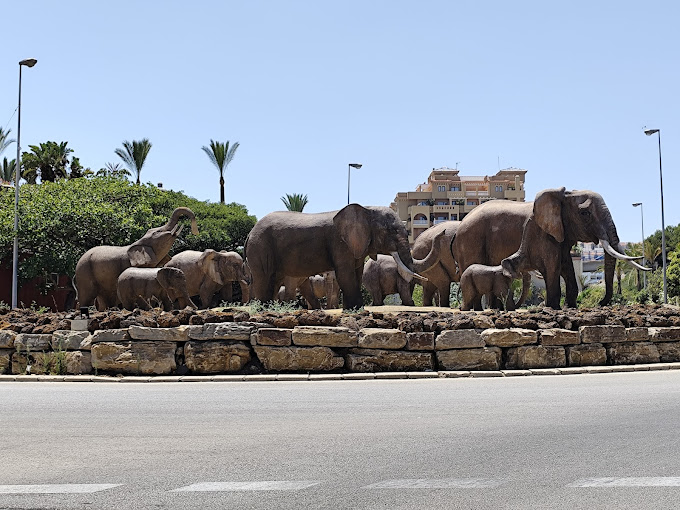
<point>350,376</point>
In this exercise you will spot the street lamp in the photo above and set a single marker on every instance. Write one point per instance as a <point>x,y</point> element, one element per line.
<point>642,221</point>
<point>349,167</point>
<point>29,62</point>
<point>650,132</point>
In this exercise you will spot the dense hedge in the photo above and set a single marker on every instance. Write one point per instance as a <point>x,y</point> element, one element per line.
<point>59,221</point>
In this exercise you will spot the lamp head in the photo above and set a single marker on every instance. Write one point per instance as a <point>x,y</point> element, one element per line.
<point>355,165</point>
<point>29,62</point>
<point>650,132</point>
<point>637,204</point>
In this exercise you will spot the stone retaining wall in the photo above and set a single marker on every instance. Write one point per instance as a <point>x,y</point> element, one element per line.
<point>251,348</point>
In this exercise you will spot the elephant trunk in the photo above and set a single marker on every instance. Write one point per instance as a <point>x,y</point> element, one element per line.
<point>422,265</point>
<point>177,214</point>
<point>405,262</point>
<point>609,260</point>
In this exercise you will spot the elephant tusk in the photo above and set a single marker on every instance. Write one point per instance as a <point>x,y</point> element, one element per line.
<point>404,271</point>
<point>638,266</point>
<point>608,248</point>
<point>176,234</point>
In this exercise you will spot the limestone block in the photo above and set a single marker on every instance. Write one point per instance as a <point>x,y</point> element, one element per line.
<point>31,342</point>
<point>78,362</point>
<point>669,352</point>
<point>423,341</point>
<point>536,356</point>
<point>326,336</point>
<point>110,335</point>
<point>482,321</point>
<point>670,334</point>
<point>223,331</point>
<point>7,338</point>
<point>381,360</point>
<point>5,358</point>
<point>632,353</point>
<point>376,338</point>
<point>487,358</point>
<point>637,335</point>
<point>512,337</point>
<point>178,334</point>
<point>606,334</point>
<point>274,336</point>
<point>134,358</point>
<point>586,355</point>
<point>557,336</point>
<point>86,344</point>
<point>67,340</point>
<point>459,339</point>
<point>276,359</point>
<point>205,357</point>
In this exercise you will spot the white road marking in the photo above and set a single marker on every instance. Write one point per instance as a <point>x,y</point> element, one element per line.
<point>433,483</point>
<point>273,485</point>
<point>65,488</point>
<point>648,481</point>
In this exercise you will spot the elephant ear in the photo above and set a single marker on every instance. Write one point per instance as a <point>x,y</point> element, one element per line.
<point>141,255</point>
<point>352,224</point>
<point>210,265</point>
<point>548,212</point>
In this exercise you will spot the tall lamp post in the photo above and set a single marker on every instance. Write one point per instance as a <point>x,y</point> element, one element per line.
<point>29,62</point>
<point>650,132</point>
<point>642,222</point>
<point>349,168</point>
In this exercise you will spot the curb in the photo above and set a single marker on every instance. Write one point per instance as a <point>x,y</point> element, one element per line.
<point>353,376</point>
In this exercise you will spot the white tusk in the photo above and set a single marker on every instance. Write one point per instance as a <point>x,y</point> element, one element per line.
<point>404,271</point>
<point>641,268</point>
<point>608,248</point>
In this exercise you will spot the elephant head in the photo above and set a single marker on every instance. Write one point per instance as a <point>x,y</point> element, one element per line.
<point>223,266</point>
<point>173,281</point>
<point>369,231</point>
<point>153,247</point>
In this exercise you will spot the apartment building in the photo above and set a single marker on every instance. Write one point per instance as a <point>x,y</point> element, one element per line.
<point>449,196</point>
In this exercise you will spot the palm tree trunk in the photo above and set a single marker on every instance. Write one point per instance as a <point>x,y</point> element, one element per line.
<point>221,189</point>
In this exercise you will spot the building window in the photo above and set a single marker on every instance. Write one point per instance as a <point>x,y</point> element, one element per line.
<point>455,188</point>
<point>441,188</point>
<point>454,217</point>
<point>442,202</point>
<point>471,202</point>
<point>499,188</point>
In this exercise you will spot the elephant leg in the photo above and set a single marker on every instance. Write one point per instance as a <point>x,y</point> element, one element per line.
<point>526,286</point>
<point>263,288</point>
<point>308,293</point>
<point>166,302</point>
<point>428,293</point>
<point>349,279</point>
<point>405,293</point>
<point>444,294</point>
<point>569,276</point>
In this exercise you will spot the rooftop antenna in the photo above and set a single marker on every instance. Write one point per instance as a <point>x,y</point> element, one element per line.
<point>499,163</point>
<point>457,164</point>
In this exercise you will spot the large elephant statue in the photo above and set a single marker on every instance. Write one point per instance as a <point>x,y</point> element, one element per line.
<point>300,244</point>
<point>441,274</point>
<point>381,278</point>
<point>479,280</point>
<point>313,289</point>
<point>98,269</point>
<point>494,231</point>
<point>140,287</point>
<point>209,272</point>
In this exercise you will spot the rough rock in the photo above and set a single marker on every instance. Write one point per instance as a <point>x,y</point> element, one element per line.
<point>212,357</point>
<point>86,344</point>
<point>670,334</point>
<point>7,338</point>
<point>558,336</point>
<point>459,339</point>
<point>32,342</point>
<point>669,352</point>
<point>376,360</point>
<point>177,334</point>
<point>371,338</point>
<point>273,336</point>
<point>66,340</point>
<point>632,353</point>
<point>482,322</point>
<point>513,337</point>
<point>536,356</point>
<point>134,358</point>
<point>637,334</point>
<point>110,335</point>
<point>420,341</point>
<point>602,334</point>
<point>223,331</point>
<point>586,355</point>
<point>326,336</point>
<point>40,362</point>
<point>279,359</point>
<point>78,362</point>
<point>5,358</point>
<point>488,358</point>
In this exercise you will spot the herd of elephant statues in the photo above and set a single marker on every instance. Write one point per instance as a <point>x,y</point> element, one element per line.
<point>324,254</point>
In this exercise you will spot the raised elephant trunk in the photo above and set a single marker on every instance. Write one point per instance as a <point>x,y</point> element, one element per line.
<point>422,265</point>
<point>177,214</point>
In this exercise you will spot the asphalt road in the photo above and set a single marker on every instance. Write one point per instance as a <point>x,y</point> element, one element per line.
<point>564,442</point>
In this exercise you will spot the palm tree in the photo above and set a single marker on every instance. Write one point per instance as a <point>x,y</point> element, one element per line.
<point>4,141</point>
<point>295,202</point>
<point>8,169</point>
<point>47,160</point>
<point>134,155</point>
<point>221,155</point>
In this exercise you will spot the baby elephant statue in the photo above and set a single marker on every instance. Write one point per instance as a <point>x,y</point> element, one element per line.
<point>381,279</point>
<point>139,287</point>
<point>312,288</point>
<point>478,280</point>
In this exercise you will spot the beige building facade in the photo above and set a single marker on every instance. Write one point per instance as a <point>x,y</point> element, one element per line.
<point>449,196</point>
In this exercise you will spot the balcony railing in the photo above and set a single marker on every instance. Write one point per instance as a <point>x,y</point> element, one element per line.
<point>421,223</point>
<point>438,221</point>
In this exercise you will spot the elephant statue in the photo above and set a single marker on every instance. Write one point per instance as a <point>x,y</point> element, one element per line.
<point>381,279</point>
<point>495,230</point>
<point>313,288</point>
<point>299,244</point>
<point>479,280</point>
<point>98,269</point>
<point>138,287</point>
<point>441,274</point>
<point>210,272</point>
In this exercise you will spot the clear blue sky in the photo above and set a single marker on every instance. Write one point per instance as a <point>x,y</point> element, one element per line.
<point>561,89</point>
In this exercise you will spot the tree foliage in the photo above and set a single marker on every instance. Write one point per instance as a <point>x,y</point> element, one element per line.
<point>295,202</point>
<point>5,140</point>
<point>134,155</point>
<point>49,161</point>
<point>220,155</point>
<point>62,220</point>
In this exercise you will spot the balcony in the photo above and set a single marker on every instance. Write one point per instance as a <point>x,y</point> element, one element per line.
<point>420,223</point>
<point>479,193</point>
<point>438,221</point>
<point>445,208</point>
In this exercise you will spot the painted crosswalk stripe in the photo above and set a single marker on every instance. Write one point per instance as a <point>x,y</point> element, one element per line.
<point>648,481</point>
<point>272,485</point>
<point>64,488</point>
<point>434,483</point>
